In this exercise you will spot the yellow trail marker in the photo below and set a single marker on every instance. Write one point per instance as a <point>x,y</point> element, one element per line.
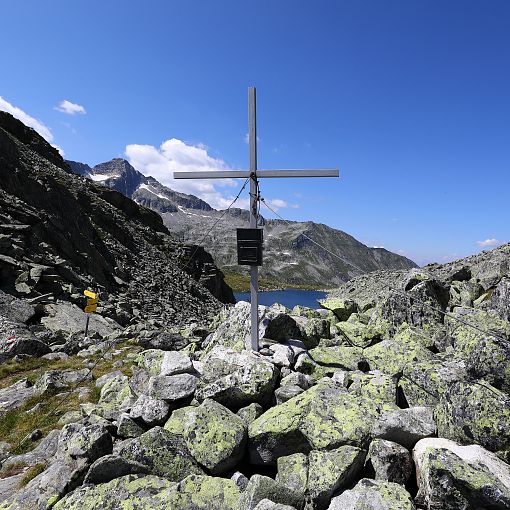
<point>92,301</point>
<point>90,308</point>
<point>90,294</point>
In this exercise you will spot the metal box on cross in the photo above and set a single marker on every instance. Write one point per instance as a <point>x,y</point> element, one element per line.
<point>249,246</point>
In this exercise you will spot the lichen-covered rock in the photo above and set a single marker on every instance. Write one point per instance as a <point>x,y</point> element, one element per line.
<point>390,461</point>
<point>262,487</point>
<point>109,467</point>
<point>392,356</point>
<point>150,411</point>
<point>323,361</point>
<point>451,476</point>
<point>172,388</point>
<point>267,504</point>
<point>236,379</point>
<point>373,495</point>
<point>116,397</point>
<point>475,413</point>
<point>377,386</point>
<point>61,379</point>
<point>159,362</point>
<point>312,330</point>
<point>127,427</point>
<point>323,417</point>
<point>165,454</point>
<point>204,493</point>
<point>342,308</point>
<point>424,382</point>
<point>250,413</point>
<point>215,436</point>
<point>131,492</point>
<point>293,473</point>
<point>500,299</point>
<point>359,334</point>
<point>330,471</point>
<point>405,426</point>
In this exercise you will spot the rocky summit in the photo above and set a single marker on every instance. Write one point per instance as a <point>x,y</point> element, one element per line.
<point>394,395</point>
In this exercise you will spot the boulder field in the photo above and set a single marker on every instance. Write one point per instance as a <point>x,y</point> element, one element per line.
<point>380,400</point>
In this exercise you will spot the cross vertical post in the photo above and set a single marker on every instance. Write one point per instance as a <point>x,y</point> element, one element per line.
<point>254,270</point>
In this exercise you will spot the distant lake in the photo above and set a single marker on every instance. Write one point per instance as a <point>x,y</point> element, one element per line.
<point>288,297</point>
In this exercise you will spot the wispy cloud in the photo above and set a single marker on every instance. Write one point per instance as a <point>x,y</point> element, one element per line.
<point>27,119</point>
<point>489,243</point>
<point>70,108</point>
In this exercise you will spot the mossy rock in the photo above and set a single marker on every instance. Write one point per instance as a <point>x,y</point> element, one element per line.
<point>215,436</point>
<point>323,417</point>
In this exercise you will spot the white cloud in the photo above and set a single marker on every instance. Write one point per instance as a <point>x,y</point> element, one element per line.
<point>174,155</point>
<point>66,106</point>
<point>28,120</point>
<point>488,242</point>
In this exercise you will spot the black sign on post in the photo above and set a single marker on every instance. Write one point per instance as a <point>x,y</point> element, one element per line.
<point>249,246</point>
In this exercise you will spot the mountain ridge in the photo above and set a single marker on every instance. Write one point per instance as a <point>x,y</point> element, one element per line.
<point>290,257</point>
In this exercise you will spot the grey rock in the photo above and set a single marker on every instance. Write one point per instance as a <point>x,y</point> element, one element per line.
<point>174,362</point>
<point>151,411</point>
<point>262,487</point>
<point>172,387</point>
<point>390,461</point>
<point>236,379</point>
<point>451,476</point>
<point>287,392</point>
<point>163,453</point>
<point>16,339</point>
<point>406,426</point>
<point>109,467</point>
<point>500,299</point>
<point>15,395</point>
<point>61,379</point>
<point>240,480</point>
<point>15,309</point>
<point>293,473</point>
<point>250,413</point>
<point>127,427</point>
<point>267,504</point>
<point>330,471</point>
<point>298,379</point>
<point>373,495</point>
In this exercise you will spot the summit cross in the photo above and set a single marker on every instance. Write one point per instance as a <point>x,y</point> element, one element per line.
<point>254,174</point>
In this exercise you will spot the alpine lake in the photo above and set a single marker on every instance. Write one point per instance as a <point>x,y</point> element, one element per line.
<point>287,297</point>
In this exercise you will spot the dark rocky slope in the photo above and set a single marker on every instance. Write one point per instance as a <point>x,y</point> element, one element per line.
<point>289,257</point>
<point>61,233</point>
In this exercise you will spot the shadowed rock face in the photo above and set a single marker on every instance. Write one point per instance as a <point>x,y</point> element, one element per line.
<point>60,233</point>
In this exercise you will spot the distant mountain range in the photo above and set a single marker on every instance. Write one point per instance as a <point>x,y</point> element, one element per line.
<point>289,257</point>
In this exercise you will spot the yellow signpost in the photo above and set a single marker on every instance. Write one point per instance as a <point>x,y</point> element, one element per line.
<point>91,306</point>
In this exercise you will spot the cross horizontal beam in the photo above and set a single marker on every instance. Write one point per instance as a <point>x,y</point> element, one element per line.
<point>244,174</point>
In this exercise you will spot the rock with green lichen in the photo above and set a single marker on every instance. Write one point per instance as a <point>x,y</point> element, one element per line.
<point>392,356</point>
<point>323,361</point>
<point>312,330</point>
<point>109,467</point>
<point>475,413</point>
<point>407,333</point>
<point>358,334</point>
<point>390,461</point>
<point>405,426</point>
<point>131,492</point>
<point>150,411</point>
<point>262,487</point>
<point>422,383</point>
<point>250,413</point>
<point>451,476</point>
<point>342,308</point>
<point>203,493</point>
<point>377,386</point>
<point>116,397</point>
<point>127,427</point>
<point>158,362</point>
<point>287,392</point>
<point>164,453</point>
<point>464,293</point>
<point>500,299</point>
<point>323,417</point>
<point>215,436</point>
<point>373,495</point>
<point>330,471</point>
<point>236,379</point>
<point>293,473</point>
<point>172,388</point>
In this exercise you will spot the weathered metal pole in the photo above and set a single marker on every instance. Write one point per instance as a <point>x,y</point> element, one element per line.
<point>254,270</point>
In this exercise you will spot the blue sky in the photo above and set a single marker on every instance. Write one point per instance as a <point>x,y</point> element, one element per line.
<point>410,99</point>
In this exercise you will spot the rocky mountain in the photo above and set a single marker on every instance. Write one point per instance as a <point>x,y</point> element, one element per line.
<point>394,396</point>
<point>289,256</point>
<point>61,233</point>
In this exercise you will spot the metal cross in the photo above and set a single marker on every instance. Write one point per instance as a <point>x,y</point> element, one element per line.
<point>253,174</point>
